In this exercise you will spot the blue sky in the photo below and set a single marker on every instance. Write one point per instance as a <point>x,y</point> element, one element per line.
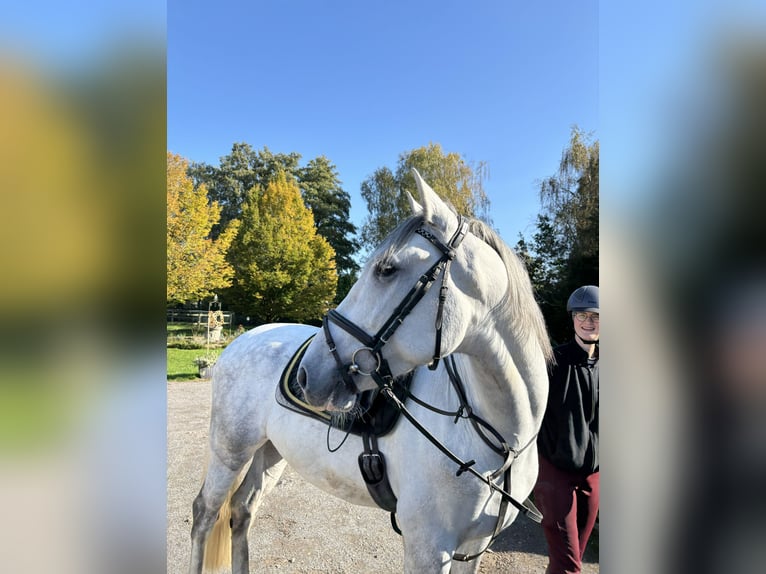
<point>361,82</point>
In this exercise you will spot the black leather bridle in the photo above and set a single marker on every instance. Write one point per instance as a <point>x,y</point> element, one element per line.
<point>373,344</point>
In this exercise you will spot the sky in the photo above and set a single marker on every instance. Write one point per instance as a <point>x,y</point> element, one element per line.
<point>362,82</point>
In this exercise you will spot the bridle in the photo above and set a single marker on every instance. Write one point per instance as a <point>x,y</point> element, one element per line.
<point>381,374</point>
<point>373,344</point>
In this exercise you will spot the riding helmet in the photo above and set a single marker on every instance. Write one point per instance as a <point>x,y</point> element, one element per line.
<point>584,299</point>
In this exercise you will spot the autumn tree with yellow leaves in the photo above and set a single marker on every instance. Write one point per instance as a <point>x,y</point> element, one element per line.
<point>196,264</point>
<point>284,270</point>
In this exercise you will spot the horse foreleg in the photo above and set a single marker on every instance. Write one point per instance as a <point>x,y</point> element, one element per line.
<point>422,557</point>
<point>263,475</point>
<point>205,509</point>
<point>433,556</point>
<point>427,546</point>
<point>430,542</point>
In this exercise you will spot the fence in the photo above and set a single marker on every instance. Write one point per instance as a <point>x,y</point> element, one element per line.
<point>197,317</point>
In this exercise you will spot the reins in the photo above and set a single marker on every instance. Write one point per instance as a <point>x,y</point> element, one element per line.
<point>382,376</point>
<point>466,412</point>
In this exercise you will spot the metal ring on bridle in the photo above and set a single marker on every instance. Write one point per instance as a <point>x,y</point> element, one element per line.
<point>354,368</point>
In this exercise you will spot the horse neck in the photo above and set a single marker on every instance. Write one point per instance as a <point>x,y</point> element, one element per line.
<point>506,379</point>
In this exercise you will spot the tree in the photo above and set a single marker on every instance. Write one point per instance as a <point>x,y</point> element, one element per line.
<point>330,205</point>
<point>196,263</point>
<point>245,168</point>
<point>449,175</point>
<point>284,270</point>
<point>238,172</point>
<point>546,261</point>
<point>545,258</point>
<point>564,250</point>
<point>386,206</point>
<point>571,195</point>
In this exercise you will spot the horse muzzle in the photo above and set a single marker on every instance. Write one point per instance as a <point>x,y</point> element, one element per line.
<point>339,397</point>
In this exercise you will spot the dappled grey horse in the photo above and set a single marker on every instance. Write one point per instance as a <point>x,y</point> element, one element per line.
<point>463,459</point>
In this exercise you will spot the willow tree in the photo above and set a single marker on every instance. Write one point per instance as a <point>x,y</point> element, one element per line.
<point>563,254</point>
<point>571,196</point>
<point>196,263</point>
<point>451,176</point>
<point>284,270</point>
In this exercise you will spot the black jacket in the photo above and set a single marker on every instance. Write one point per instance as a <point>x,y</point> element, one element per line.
<point>569,434</point>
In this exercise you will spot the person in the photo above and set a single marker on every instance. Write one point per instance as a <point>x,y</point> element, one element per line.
<point>567,489</point>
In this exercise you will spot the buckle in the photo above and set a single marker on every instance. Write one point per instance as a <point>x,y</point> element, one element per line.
<point>372,467</point>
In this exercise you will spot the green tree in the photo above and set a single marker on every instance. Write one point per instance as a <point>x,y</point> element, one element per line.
<point>386,206</point>
<point>455,180</point>
<point>238,172</point>
<point>545,258</point>
<point>245,168</point>
<point>563,254</point>
<point>330,205</point>
<point>546,261</point>
<point>196,263</point>
<point>284,270</point>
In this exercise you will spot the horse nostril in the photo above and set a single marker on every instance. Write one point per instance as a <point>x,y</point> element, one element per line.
<point>302,378</point>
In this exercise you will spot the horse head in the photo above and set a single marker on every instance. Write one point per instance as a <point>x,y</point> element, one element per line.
<point>392,320</point>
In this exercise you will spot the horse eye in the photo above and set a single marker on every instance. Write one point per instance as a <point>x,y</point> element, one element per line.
<point>385,269</point>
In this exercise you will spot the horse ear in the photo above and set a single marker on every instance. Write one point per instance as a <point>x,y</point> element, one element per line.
<point>416,208</point>
<point>434,209</point>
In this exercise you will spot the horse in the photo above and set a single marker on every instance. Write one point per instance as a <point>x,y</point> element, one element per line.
<point>482,327</point>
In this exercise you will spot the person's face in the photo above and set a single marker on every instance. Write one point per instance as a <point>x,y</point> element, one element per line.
<point>586,325</point>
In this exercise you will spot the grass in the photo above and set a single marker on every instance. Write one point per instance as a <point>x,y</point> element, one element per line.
<point>185,344</point>
<point>181,366</point>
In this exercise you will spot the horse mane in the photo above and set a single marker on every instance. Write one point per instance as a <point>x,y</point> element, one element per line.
<point>519,305</point>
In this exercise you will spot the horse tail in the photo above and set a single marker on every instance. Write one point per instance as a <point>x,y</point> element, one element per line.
<point>218,545</point>
<point>217,556</point>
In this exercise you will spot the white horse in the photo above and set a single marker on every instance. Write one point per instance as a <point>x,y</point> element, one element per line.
<point>487,319</point>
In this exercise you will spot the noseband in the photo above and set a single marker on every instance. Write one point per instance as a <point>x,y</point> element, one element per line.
<point>374,344</point>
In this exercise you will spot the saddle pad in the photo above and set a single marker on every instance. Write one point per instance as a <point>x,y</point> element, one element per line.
<point>373,414</point>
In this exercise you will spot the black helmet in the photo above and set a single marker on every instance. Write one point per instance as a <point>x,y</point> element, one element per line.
<point>584,299</point>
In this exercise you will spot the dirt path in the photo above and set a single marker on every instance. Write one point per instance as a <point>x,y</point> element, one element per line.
<point>300,529</point>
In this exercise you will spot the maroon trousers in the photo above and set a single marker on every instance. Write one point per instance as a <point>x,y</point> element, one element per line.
<point>569,503</point>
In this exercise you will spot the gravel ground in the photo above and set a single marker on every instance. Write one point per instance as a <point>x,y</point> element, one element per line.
<point>300,529</point>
